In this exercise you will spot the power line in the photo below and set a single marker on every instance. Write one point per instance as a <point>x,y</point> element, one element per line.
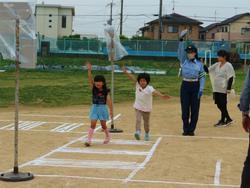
<point>150,16</point>
<point>156,5</point>
<point>218,7</point>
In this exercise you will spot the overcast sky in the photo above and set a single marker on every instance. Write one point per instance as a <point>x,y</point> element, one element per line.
<point>207,11</point>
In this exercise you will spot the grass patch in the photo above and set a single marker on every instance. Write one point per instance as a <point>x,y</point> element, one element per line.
<point>70,87</point>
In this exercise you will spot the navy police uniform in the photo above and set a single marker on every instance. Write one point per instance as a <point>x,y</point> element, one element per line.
<point>193,74</point>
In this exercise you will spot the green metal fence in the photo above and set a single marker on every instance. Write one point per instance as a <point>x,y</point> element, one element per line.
<point>162,48</point>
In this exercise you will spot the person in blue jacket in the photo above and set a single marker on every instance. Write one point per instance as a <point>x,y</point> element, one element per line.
<point>245,107</point>
<point>193,75</point>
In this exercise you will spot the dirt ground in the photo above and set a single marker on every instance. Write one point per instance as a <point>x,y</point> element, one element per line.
<point>51,147</point>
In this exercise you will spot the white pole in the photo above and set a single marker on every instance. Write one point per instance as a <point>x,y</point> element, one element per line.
<point>112,81</point>
<point>205,58</point>
<point>245,61</point>
<point>112,94</point>
<point>210,57</point>
<point>112,56</point>
<point>17,98</point>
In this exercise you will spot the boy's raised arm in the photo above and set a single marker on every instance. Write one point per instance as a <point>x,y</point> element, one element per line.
<point>159,94</point>
<point>130,76</point>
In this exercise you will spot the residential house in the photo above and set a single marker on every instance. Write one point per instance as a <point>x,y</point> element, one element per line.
<point>236,28</point>
<point>208,32</point>
<point>173,24</point>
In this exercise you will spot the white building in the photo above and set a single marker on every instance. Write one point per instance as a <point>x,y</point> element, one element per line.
<point>54,21</point>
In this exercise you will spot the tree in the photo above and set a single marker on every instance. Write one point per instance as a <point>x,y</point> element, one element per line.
<point>137,37</point>
<point>123,37</point>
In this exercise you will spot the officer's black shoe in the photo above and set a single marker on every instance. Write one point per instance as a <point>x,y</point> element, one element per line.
<point>191,134</point>
<point>228,122</point>
<point>220,124</point>
<point>185,134</point>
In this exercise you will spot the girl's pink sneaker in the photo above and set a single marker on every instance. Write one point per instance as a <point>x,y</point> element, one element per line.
<point>90,136</point>
<point>108,137</point>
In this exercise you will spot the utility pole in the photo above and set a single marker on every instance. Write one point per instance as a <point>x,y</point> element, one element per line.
<point>173,10</point>
<point>121,19</point>
<point>111,13</point>
<point>160,21</point>
<point>215,16</point>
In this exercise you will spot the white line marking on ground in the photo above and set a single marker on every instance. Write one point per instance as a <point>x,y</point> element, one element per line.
<point>24,125</point>
<point>197,137</point>
<point>54,116</point>
<point>67,127</point>
<point>144,163</point>
<point>7,126</point>
<point>66,145</point>
<point>49,122</point>
<point>124,142</point>
<point>133,181</point>
<point>182,183</point>
<point>32,125</point>
<point>76,177</point>
<point>158,135</point>
<point>217,173</point>
<point>205,137</point>
<point>70,163</point>
<point>103,151</point>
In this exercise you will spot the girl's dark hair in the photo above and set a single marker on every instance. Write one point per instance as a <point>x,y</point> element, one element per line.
<point>100,78</point>
<point>223,53</point>
<point>145,76</point>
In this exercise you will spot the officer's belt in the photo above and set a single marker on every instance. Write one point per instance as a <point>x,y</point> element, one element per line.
<point>190,80</point>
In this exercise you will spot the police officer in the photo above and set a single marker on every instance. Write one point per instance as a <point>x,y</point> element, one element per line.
<point>193,74</point>
<point>245,107</point>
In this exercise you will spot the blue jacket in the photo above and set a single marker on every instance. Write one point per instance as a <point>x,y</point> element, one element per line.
<point>245,95</point>
<point>191,69</point>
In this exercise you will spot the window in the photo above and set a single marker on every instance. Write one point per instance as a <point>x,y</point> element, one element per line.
<point>50,15</point>
<point>226,29</point>
<point>190,29</point>
<point>64,21</point>
<point>172,29</point>
<point>245,31</point>
<point>151,28</point>
<point>162,28</point>
<point>213,35</point>
<point>202,36</point>
<point>50,26</point>
<point>50,21</point>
